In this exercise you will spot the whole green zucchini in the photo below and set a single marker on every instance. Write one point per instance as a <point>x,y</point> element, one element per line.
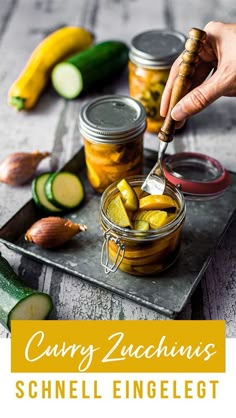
<point>18,301</point>
<point>90,68</point>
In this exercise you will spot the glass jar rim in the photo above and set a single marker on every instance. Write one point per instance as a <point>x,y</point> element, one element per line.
<point>149,235</point>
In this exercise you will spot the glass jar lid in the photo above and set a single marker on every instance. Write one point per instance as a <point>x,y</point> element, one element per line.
<point>156,48</point>
<point>116,119</point>
<point>197,175</point>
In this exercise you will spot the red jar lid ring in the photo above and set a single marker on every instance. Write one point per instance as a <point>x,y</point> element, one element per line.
<point>196,174</point>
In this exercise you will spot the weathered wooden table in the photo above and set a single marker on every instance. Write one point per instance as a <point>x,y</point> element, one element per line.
<point>52,126</point>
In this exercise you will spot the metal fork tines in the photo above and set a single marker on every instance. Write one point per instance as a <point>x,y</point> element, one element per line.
<point>155,182</point>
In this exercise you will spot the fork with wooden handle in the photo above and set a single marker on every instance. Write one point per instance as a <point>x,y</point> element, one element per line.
<point>155,182</point>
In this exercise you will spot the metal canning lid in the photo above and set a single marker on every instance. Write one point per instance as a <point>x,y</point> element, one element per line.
<point>112,119</point>
<point>156,48</point>
<point>197,175</point>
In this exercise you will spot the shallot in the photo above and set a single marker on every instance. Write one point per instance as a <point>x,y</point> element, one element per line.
<point>19,167</point>
<point>53,231</point>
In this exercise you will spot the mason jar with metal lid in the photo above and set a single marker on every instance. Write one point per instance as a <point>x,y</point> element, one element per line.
<point>112,128</point>
<point>151,55</point>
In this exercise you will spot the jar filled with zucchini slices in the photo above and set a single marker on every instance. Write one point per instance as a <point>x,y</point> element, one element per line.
<point>142,233</point>
<point>151,55</point>
<point>112,128</point>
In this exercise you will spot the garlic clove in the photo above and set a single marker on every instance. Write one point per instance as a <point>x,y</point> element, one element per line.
<point>20,167</point>
<point>53,231</point>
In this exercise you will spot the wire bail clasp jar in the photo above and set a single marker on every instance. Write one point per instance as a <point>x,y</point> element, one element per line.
<point>105,256</point>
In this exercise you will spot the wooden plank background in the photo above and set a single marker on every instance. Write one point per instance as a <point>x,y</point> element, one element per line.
<point>53,126</point>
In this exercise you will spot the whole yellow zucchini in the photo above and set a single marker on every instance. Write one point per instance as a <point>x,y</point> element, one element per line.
<point>25,91</point>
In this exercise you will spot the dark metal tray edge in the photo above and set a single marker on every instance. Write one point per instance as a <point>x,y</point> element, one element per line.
<point>110,288</point>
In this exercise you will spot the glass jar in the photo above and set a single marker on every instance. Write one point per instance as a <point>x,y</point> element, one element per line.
<point>140,253</point>
<point>198,176</point>
<point>151,55</point>
<point>112,128</point>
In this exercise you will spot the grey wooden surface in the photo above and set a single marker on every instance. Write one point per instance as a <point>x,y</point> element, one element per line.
<point>52,126</point>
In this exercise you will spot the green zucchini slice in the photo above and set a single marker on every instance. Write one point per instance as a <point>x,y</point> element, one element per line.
<point>67,80</point>
<point>64,190</point>
<point>39,196</point>
<point>90,68</point>
<point>18,301</point>
<point>34,306</point>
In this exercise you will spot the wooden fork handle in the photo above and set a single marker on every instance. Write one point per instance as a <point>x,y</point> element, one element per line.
<point>182,83</point>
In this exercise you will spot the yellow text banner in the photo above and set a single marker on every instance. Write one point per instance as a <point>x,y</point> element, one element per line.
<point>118,346</point>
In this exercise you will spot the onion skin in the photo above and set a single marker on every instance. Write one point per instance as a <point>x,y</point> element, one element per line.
<point>18,168</point>
<point>52,231</point>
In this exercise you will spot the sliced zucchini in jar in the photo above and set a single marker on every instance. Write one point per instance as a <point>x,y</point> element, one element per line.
<point>128,195</point>
<point>39,195</point>
<point>64,190</point>
<point>140,225</point>
<point>151,111</point>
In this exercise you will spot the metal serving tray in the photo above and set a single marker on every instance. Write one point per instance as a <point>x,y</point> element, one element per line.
<point>166,293</point>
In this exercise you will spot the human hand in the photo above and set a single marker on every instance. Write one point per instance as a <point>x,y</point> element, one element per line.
<point>218,55</point>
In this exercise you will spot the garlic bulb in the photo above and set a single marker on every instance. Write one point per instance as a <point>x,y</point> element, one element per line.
<point>53,231</point>
<point>19,167</point>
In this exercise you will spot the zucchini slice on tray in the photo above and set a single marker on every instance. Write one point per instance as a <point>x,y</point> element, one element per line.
<point>39,195</point>
<point>64,190</point>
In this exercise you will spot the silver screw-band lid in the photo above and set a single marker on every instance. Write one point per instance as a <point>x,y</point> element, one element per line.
<point>156,48</point>
<point>112,119</point>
